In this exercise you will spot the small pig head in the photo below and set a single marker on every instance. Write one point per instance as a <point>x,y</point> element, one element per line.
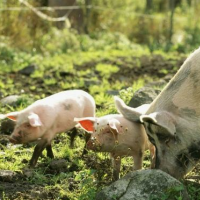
<point>27,127</point>
<point>104,132</point>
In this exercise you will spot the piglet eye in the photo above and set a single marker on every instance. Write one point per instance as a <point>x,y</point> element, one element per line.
<point>28,125</point>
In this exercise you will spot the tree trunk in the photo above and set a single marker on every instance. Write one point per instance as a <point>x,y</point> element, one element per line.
<point>87,16</point>
<point>172,8</point>
<point>149,4</point>
<point>75,16</point>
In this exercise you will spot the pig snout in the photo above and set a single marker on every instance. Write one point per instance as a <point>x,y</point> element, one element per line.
<point>93,144</point>
<point>13,139</point>
<point>90,144</point>
<point>16,138</point>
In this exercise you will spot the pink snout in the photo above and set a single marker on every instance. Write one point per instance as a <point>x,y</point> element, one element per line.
<point>15,139</point>
<point>90,144</point>
<point>12,140</point>
<point>93,144</point>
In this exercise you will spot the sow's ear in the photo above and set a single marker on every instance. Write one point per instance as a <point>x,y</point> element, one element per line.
<point>34,120</point>
<point>129,113</point>
<point>162,119</point>
<point>86,123</point>
<point>116,125</point>
<point>13,116</point>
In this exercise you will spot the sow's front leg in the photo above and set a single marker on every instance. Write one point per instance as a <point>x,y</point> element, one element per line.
<point>41,145</point>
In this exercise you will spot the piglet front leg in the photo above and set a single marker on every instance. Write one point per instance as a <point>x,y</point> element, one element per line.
<point>49,151</point>
<point>116,163</point>
<point>41,145</point>
<point>138,158</point>
<point>152,155</point>
<point>87,138</point>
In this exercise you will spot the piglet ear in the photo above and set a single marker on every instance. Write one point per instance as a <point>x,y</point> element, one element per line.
<point>86,123</point>
<point>13,116</point>
<point>116,125</point>
<point>34,120</point>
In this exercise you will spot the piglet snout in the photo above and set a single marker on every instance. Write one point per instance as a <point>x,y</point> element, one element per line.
<point>90,144</point>
<point>93,144</point>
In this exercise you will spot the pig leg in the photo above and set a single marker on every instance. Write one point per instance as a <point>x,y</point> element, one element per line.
<point>116,163</point>
<point>152,155</point>
<point>87,137</point>
<point>49,151</point>
<point>138,160</point>
<point>41,145</point>
<point>72,135</point>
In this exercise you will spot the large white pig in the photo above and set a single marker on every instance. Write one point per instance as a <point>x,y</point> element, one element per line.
<point>118,136</point>
<point>46,117</point>
<point>172,121</point>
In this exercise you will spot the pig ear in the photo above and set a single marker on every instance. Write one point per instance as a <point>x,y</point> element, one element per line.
<point>34,120</point>
<point>162,119</point>
<point>86,123</point>
<point>115,124</point>
<point>13,116</point>
<point>143,108</point>
<point>129,113</point>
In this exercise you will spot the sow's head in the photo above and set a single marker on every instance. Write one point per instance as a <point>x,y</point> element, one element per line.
<point>176,150</point>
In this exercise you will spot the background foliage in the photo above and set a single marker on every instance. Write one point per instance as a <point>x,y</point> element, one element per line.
<point>148,22</point>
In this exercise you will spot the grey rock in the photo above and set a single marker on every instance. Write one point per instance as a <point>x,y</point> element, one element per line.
<point>142,96</point>
<point>168,77</point>
<point>39,194</point>
<point>123,78</point>
<point>91,82</point>
<point>28,172</point>
<point>144,185</point>
<point>4,140</point>
<point>145,60</point>
<point>10,100</point>
<point>7,175</point>
<point>7,127</point>
<point>59,165</point>
<point>28,70</point>
<point>113,92</point>
<point>159,84</point>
